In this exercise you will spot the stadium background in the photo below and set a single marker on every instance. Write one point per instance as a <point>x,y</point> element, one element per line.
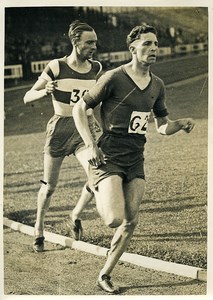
<point>40,33</point>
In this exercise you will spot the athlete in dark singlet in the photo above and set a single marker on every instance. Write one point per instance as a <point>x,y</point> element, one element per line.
<point>120,96</point>
<point>66,79</point>
<point>128,95</point>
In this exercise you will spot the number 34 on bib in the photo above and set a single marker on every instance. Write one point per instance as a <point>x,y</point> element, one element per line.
<point>138,122</point>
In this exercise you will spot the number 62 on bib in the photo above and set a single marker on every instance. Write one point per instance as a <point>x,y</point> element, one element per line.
<point>138,122</point>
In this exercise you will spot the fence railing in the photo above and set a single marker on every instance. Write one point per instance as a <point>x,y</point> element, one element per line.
<point>16,71</point>
<point>13,71</point>
<point>38,66</point>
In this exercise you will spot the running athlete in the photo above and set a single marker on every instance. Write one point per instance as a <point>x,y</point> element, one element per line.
<point>66,79</point>
<point>129,94</point>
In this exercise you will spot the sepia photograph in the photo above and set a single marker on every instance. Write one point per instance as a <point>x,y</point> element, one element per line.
<point>106,141</point>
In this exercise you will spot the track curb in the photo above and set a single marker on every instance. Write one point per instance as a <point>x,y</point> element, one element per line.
<point>136,259</point>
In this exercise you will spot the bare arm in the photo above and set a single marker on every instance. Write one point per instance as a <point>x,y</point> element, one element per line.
<point>40,89</point>
<point>95,156</point>
<point>168,127</point>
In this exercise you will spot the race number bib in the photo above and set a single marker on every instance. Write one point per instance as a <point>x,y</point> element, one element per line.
<point>138,122</point>
<point>75,88</point>
<point>76,95</point>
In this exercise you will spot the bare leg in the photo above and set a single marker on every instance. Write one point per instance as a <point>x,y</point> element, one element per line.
<point>85,198</point>
<point>129,200</point>
<point>110,200</point>
<point>51,172</point>
<point>133,196</point>
<point>86,194</point>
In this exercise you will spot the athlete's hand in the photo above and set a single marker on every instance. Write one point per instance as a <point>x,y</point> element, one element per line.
<point>187,124</point>
<point>95,156</point>
<point>50,87</point>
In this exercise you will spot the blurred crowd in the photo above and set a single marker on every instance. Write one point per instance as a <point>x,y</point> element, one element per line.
<point>33,34</point>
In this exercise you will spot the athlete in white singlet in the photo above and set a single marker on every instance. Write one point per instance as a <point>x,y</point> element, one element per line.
<point>66,79</point>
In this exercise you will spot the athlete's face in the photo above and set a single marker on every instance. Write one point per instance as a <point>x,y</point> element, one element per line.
<point>145,48</point>
<point>86,46</point>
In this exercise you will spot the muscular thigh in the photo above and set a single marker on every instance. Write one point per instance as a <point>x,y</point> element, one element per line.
<point>110,198</point>
<point>134,191</point>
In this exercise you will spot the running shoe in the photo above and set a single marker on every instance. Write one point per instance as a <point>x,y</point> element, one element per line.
<point>38,245</point>
<point>106,285</point>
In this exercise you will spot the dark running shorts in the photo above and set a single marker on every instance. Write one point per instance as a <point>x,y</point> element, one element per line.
<point>62,137</point>
<point>109,169</point>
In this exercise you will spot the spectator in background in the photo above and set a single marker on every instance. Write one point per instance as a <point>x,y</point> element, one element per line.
<point>66,80</point>
<point>200,38</point>
<point>172,37</point>
<point>179,36</point>
<point>25,57</point>
<point>128,95</point>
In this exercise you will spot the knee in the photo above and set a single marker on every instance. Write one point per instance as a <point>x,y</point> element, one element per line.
<point>130,225</point>
<point>113,222</point>
<point>127,225</point>
<point>47,191</point>
<point>50,191</point>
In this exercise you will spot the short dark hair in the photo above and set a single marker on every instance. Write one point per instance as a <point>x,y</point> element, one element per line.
<point>75,30</point>
<point>137,31</point>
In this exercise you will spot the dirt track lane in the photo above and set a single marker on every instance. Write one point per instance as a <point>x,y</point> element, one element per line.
<point>60,271</point>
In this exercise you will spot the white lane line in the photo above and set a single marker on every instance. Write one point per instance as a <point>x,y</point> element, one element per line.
<point>139,260</point>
